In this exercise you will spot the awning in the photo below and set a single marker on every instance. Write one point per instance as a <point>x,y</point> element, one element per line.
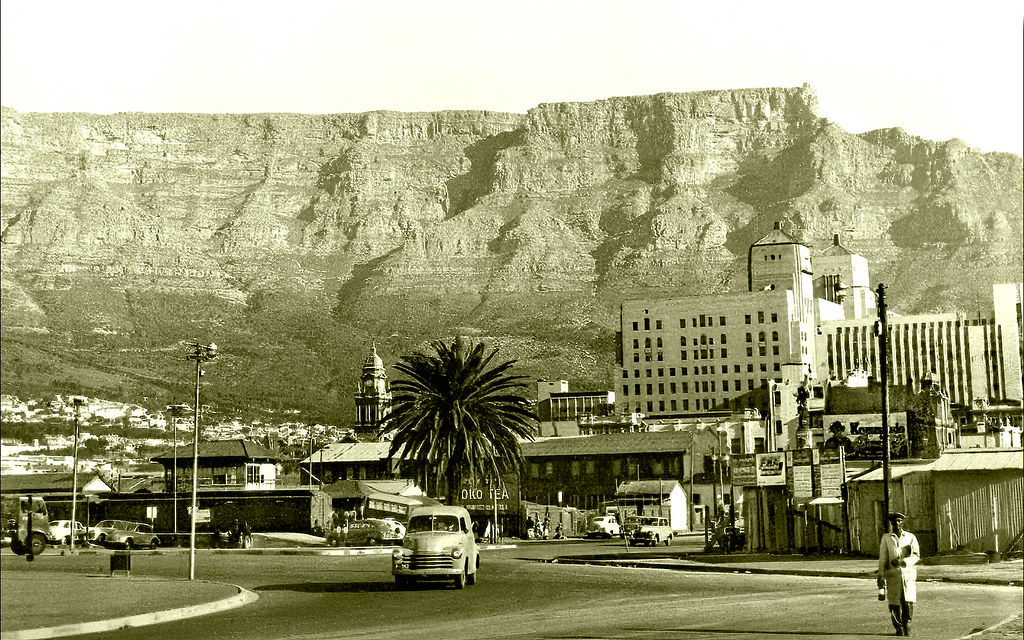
<point>826,500</point>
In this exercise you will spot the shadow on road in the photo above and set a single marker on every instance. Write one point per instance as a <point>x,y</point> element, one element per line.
<point>329,587</point>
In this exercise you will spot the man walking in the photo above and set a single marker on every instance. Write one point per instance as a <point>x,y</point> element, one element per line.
<point>898,553</point>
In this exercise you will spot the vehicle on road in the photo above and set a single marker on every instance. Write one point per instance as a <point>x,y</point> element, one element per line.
<point>372,532</point>
<point>124,534</point>
<point>27,523</point>
<point>438,545</point>
<point>61,531</point>
<point>603,527</point>
<point>649,530</point>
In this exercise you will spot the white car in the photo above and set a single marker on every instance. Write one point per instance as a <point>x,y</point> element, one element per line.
<point>649,530</point>
<point>438,544</point>
<point>61,531</point>
<point>603,527</point>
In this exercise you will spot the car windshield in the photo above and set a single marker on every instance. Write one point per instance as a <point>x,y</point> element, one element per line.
<point>104,524</point>
<point>434,523</point>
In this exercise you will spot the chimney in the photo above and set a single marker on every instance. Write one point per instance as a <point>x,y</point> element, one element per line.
<point>835,239</point>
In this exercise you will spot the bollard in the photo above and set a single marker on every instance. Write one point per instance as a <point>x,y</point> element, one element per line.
<point>121,561</point>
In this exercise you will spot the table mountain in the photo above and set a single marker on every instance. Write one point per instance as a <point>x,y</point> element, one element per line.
<point>294,241</point>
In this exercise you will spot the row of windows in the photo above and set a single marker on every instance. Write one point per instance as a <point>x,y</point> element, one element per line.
<point>699,386</point>
<point>589,467</point>
<point>699,404</point>
<point>704,320</point>
<point>704,354</point>
<point>703,370</point>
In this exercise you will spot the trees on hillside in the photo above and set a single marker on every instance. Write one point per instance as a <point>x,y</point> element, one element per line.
<point>457,413</point>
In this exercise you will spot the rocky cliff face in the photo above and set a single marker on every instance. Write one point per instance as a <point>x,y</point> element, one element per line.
<point>296,240</point>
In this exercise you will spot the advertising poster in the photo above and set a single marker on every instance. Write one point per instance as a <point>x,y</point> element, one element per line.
<point>803,473</point>
<point>744,470</point>
<point>771,469</point>
<point>833,473</point>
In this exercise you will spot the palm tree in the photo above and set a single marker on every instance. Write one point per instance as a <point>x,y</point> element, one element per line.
<point>458,414</point>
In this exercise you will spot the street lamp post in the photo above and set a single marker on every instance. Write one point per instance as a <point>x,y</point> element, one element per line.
<point>883,361</point>
<point>200,353</point>
<point>74,478</point>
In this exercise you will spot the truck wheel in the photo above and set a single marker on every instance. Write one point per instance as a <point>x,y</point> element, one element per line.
<point>460,580</point>
<point>38,544</point>
<point>668,541</point>
<point>16,546</point>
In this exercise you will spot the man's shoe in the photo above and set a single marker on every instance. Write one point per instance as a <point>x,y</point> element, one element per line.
<point>899,631</point>
<point>906,629</point>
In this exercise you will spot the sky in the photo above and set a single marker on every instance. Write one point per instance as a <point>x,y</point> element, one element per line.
<point>938,69</point>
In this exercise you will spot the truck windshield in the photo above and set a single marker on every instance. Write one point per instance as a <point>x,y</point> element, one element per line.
<point>433,523</point>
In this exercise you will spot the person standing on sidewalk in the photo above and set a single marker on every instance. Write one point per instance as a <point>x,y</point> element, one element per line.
<point>898,554</point>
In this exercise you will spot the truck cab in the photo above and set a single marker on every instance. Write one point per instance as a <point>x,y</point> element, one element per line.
<point>28,525</point>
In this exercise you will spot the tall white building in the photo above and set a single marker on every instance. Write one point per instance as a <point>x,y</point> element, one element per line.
<point>803,319</point>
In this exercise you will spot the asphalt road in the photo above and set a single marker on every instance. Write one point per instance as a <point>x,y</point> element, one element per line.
<point>517,596</point>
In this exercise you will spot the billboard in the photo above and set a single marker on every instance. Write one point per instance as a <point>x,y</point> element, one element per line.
<point>480,495</point>
<point>771,469</point>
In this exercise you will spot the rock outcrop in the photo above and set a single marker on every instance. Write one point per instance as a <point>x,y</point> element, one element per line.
<point>294,240</point>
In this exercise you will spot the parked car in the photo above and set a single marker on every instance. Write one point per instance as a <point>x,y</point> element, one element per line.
<point>439,544</point>
<point>61,531</point>
<point>28,524</point>
<point>649,530</point>
<point>371,532</point>
<point>123,533</point>
<point>603,527</point>
<point>398,527</point>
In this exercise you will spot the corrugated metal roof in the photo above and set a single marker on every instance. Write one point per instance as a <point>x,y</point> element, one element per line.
<point>980,460</point>
<point>242,449</point>
<point>895,471</point>
<point>646,487</point>
<point>350,452</point>
<point>609,444</point>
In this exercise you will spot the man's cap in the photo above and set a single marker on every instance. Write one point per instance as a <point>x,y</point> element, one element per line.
<point>897,515</point>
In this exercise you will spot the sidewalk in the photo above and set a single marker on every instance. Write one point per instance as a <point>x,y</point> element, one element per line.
<point>95,602</point>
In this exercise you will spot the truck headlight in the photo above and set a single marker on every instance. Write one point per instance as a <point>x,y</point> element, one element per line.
<point>456,553</point>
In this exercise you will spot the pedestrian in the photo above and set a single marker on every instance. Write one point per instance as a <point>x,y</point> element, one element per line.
<point>898,553</point>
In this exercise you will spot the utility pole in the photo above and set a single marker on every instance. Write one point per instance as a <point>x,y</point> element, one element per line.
<point>74,475</point>
<point>200,353</point>
<point>883,357</point>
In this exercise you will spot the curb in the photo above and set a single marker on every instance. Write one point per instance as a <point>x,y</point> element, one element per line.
<point>715,568</point>
<point>242,598</point>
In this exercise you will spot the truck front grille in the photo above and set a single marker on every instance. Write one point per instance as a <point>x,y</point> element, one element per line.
<point>431,561</point>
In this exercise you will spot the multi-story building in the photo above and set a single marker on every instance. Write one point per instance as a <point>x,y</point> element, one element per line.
<point>560,412</point>
<point>796,324</point>
<point>707,353</point>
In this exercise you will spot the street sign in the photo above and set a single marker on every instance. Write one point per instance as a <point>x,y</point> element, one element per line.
<point>202,515</point>
<point>744,470</point>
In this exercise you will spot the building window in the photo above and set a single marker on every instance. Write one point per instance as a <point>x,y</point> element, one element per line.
<point>746,319</point>
<point>650,388</point>
<point>721,321</point>
<point>647,372</point>
<point>712,386</point>
<point>574,468</point>
<point>625,389</point>
<point>750,337</point>
<point>682,341</point>
<point>704,386</point>
<point>725,368</point>
<point>775,336</point>
<point>764,366</point>
<point>725,353</point>
<point>682,371</point>
<point>685,387</point>
<point>636,357</point>
<point>661,356</point>
<point>635,327</point>
<point>725,385</point>
<point>671,372</point>
<point>549,468</point>
<point>735,368</point>
<point>661,373</point>
<point>636,343</point>
<point>636,373</point>
<point>686,405</point>
<point>625,373</point>
<point>252,474</point>
<point>636,389</point>
<point>661,406</point>
<point>702,319</point>
<point>591,467</point>
<point>673,404</point>
<point>762,351</point>
<point>682,323</point>
<point>535,467</point>
<point>657,325</point>
<point>750,352</point>
<point>750,384</point>
<point>650,406</point>
<point>775,366</point>
<point>682,354</point>
<point>750,367</point>
<point>723,339</point>
<point>672,387</point>
<point>775,317</point>
<point>775,349</point>
<point>661,388</point>
<point>760,317</point>
<point>736,385</point>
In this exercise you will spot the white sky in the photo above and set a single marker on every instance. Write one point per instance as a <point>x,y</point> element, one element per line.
<point>938,69</point>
